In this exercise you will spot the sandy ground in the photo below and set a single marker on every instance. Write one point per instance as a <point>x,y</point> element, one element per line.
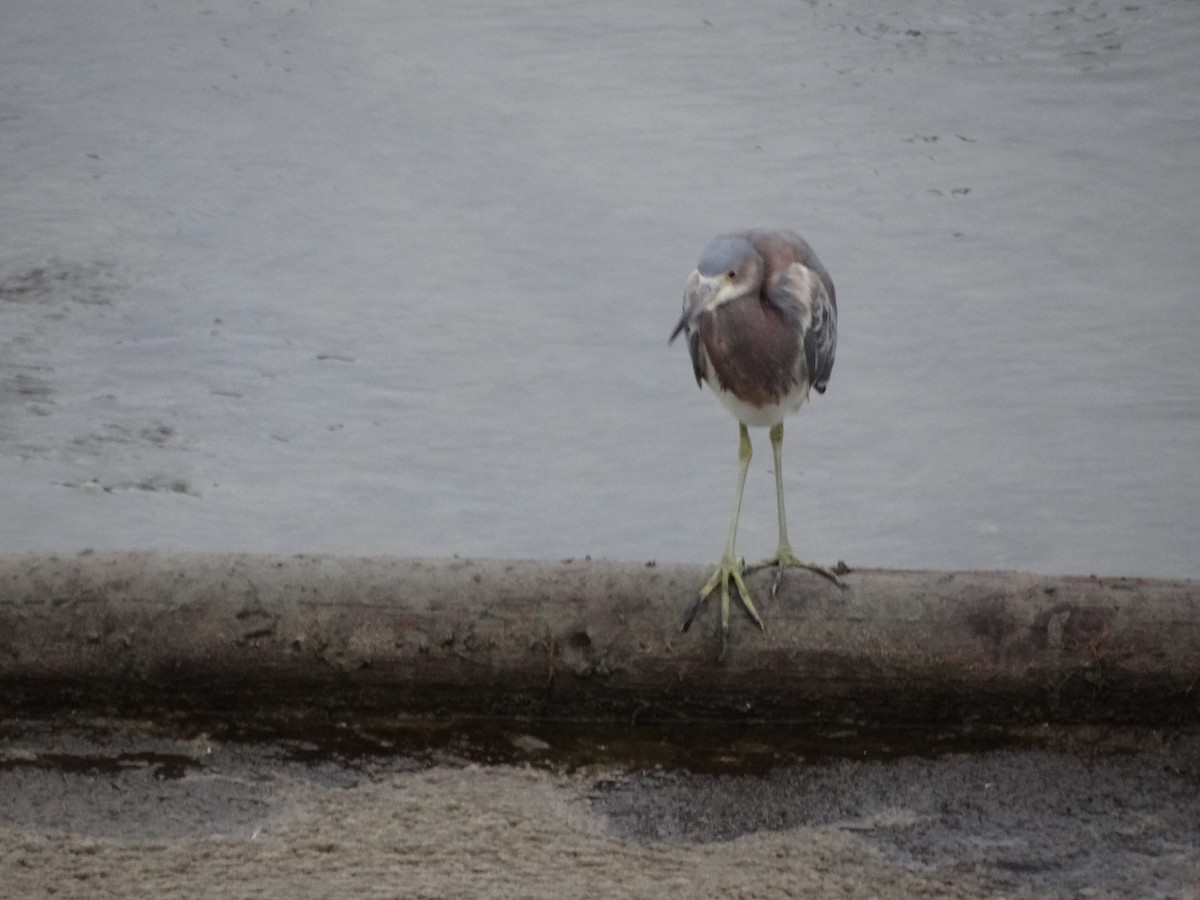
<point>123,811</point>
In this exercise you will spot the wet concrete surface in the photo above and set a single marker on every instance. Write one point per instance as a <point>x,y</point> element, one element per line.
<point>119,808</point>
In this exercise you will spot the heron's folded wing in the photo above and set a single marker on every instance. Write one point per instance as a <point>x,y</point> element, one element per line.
<point>800,296</point>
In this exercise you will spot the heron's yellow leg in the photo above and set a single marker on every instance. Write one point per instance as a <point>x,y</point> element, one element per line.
<point>784,557</point>
<point>730,567</point>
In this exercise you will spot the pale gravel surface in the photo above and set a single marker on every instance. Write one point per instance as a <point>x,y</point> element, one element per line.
<point>123,811</point>
<point>453,833</point>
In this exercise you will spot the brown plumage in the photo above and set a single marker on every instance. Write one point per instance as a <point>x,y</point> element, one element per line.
<point>751,351</point>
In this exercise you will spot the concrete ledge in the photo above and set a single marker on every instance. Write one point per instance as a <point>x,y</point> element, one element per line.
<point>265,637</point>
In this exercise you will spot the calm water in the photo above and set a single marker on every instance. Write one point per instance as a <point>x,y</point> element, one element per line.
<point>334,277</point>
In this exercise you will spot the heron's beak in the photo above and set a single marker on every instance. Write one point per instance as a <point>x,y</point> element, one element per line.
<point>697,297</point>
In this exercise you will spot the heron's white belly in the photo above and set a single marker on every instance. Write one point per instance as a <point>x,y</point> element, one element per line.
<point>764,416</point>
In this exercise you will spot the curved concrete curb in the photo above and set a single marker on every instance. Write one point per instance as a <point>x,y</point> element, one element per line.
<point>586,640</point>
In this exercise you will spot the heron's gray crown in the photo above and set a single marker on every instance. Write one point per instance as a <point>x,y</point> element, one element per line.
<point>725,253</point>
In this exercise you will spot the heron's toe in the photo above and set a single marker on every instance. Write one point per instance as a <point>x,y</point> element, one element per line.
<point>786,559</point>
<point>729,570</point>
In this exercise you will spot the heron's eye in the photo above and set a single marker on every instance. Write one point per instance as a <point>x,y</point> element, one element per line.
<point>732,273</point>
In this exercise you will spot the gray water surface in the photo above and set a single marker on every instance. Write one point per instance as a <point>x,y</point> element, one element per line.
<point>357,278</point>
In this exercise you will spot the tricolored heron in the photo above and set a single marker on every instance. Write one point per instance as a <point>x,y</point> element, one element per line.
<point>760,315</point>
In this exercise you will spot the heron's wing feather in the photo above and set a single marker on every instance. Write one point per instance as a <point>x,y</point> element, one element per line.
<point>820,341</point>
<point>800,295</point>
<point>697,354</point>
<point>687,325</point>
<point>804,254</point>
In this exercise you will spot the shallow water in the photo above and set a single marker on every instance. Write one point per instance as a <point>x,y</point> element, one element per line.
<point>338,278</point>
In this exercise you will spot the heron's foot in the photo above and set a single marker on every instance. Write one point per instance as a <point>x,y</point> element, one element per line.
<point>729,570</point>
<point>784,558</point>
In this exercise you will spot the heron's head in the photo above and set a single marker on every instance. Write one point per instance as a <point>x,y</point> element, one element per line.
<point>729,268</point>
